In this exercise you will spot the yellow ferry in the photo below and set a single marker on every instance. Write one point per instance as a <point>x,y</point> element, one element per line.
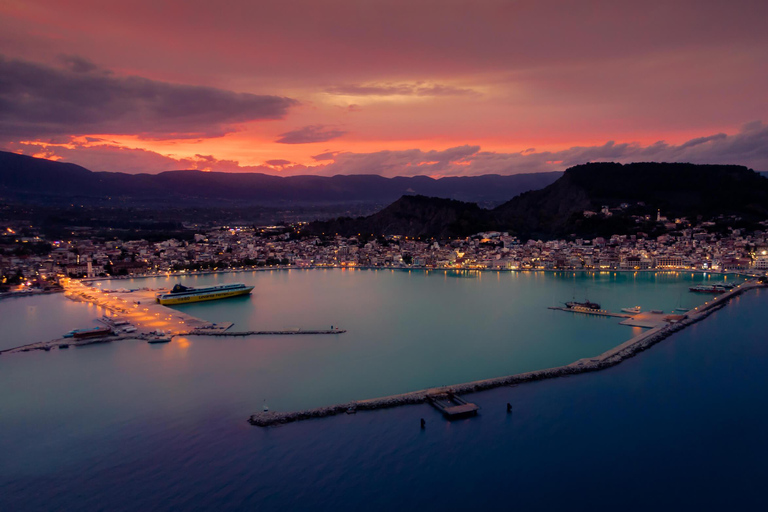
<point>181,294</point>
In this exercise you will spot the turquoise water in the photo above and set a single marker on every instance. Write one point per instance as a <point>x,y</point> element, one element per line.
<point>414,330</point>
<point>128,426</point>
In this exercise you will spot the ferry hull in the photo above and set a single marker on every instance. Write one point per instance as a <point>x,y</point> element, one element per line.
<point>168,301</point>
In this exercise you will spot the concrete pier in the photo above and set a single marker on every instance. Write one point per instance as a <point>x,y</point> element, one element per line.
<point>607,359</point>
<point>288,332</point>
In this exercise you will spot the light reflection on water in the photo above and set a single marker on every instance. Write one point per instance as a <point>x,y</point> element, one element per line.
<point>134,426</point>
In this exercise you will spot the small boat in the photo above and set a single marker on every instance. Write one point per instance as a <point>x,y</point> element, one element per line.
<point>164,339</point>
<point>582,305</point>
<point>711,288</point>
<point>265,408</point>
<point>632,311</point>
<point>91,333</point>
<point>683,310</point>
<point>657,311</point>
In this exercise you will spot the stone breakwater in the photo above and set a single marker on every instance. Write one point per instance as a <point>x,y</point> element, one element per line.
<point>605,360</point>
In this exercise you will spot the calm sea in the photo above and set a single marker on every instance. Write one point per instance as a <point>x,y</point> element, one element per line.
<point>127,426</point>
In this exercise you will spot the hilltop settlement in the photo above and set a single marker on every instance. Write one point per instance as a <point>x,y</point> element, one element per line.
<point>651,233</point>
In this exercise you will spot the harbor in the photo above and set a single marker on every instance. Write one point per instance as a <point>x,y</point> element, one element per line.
<point>135,314</point>
<point>607,359</point>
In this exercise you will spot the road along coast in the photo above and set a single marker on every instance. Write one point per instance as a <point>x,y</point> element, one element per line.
<point>607,359</point>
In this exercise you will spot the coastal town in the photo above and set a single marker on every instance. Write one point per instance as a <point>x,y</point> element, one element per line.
<point>28,261</point>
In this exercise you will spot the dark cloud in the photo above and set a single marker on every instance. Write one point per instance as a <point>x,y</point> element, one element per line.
<point>278,163</point>
<point>309,134</point>
<point>328,155</point>
<point>78,64</point>
<point>415,89</point>
<point>37,101</point>
<point>747,147</point>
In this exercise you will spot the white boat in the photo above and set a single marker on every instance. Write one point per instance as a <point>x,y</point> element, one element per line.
<point>632,311</point>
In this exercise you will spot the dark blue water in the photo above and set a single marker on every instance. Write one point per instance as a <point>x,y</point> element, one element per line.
<point>679,427</point>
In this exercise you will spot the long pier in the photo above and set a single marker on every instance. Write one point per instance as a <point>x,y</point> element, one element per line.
<point>607,359</point>
<point>288,332</point>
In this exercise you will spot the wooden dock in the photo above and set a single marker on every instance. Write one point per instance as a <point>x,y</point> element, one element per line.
<point>452,406</point>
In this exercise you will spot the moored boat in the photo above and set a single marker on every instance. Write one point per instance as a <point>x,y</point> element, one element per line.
<point>181,294</point>
<point>632,311</point>
<point>582,305</point>
<point>91,333</point>
<point>711,288</point>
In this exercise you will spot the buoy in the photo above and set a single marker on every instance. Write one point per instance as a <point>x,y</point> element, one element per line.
<point>265,408</point>
<point>423,423</point>
<point>509,407</point>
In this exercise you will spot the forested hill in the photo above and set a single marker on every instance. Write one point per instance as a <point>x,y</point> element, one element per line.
<point>629,191</point>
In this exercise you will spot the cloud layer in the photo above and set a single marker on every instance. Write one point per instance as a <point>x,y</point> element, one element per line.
<point>38,101</point>
<point>747,147</point>
<point>414,89</point>
<point>309,134</point>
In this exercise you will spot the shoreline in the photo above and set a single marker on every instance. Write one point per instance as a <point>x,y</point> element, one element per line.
<point>607,359</point>
<point>177,273</point>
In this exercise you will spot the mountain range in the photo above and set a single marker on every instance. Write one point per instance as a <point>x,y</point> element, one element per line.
<point>35,180</point>
<point>629,191</point>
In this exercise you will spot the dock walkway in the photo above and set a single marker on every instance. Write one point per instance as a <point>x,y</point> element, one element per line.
<point>452,406</point>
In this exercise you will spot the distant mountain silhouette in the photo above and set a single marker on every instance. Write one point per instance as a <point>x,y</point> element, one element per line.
<point>678,190</point>
<point>28,179</point>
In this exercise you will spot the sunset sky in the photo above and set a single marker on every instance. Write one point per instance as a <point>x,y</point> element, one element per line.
<point>385,87</point>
